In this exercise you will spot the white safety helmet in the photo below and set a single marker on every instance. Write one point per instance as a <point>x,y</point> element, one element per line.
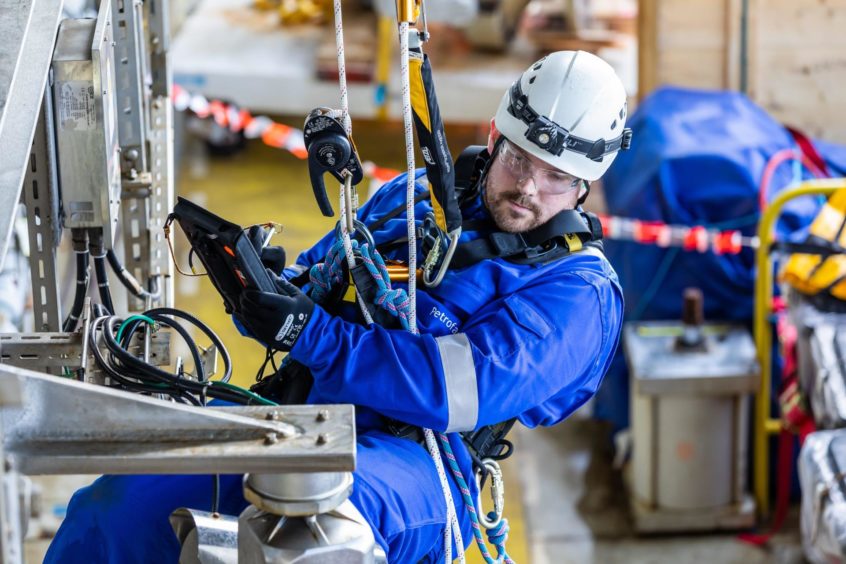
<point>569,110</point>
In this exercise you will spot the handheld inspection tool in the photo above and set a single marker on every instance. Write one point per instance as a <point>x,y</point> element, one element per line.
<point>226,251</point>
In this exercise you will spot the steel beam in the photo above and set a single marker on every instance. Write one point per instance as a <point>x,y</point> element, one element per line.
<point>68,427</point>
<point>27,35</point>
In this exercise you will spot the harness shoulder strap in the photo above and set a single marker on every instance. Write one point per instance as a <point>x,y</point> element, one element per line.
<point>566,233</point>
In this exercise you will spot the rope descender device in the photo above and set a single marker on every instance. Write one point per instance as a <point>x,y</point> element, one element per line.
<point>497,494</point>
<point>331,150</point>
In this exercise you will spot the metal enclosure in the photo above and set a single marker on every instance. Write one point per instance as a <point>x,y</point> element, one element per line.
<point>690,410</point>
<point>86,123</point>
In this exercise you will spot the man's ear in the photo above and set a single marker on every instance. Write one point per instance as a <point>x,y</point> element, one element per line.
<point>492,136</point>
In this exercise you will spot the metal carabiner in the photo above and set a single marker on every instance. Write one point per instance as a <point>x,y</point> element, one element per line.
<point>497,494</point>
<point>360,230</point>
<point>350,202</point>
<point>429,263</point>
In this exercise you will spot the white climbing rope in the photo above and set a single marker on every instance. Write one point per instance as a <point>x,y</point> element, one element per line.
<point>342,68</point>
<point>347,197</point>
<point>452,528</point>
<point>410,180</point>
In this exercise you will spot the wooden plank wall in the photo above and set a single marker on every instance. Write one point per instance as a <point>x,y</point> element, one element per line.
<point>796,65</point>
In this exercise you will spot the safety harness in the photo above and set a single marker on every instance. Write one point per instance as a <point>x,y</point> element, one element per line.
<point>568,232</point>
<point>330,147</point>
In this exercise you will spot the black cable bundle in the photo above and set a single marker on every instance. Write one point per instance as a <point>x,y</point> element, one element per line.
<point>79,294</point>
<point>129,281</point>
<point>103,283</point>
<point>134,374</point>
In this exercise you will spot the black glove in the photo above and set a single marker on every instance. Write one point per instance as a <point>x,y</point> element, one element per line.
<point>276,319</point>
<point>272,257</point>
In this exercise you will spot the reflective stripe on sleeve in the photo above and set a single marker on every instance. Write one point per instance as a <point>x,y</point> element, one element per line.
<point>460,379</point>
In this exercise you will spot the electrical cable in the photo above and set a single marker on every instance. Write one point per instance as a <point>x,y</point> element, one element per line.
<point>205,329</point>
<point>82,260</point>
<point>215,494</point>
<point>103,283</point>
<point>110,338</point>
<point>269,358</point>
<point>134,318</point>
<point>129,281</point>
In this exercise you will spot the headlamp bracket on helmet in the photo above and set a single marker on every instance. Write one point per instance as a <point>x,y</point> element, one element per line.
<point>553,138</point>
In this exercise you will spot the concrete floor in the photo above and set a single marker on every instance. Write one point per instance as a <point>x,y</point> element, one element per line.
<point>563,501</point>
<point>575,511</point>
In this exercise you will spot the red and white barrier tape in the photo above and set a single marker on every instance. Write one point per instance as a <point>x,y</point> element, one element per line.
<point>281,136</point>
<point>237,119</point>
<point>696,238</point>
<point>272,133</point>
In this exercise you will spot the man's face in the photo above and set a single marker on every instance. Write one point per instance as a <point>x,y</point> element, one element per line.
<point>522,192</point>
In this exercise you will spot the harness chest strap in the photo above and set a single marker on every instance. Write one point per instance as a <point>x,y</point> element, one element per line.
<point>565,233</point>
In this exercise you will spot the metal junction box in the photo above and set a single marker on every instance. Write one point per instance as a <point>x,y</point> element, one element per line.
<point>690,409</point>
<point>86,123</point>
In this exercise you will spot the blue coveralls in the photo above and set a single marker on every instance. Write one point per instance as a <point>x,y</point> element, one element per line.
<point>498,340</point>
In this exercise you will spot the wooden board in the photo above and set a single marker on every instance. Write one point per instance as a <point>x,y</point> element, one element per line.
<point>796,54</point>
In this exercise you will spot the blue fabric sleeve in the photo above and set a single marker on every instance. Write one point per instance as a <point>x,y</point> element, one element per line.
<point>524,352</point>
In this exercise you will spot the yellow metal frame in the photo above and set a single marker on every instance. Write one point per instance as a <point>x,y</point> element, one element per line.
<point>765,425</point>
<point>385,44</point>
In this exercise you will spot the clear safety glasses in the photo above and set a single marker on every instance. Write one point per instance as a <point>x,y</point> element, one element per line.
<point>547,180</point>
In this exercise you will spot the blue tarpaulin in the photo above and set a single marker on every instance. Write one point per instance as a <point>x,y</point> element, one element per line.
<point>697,158</point>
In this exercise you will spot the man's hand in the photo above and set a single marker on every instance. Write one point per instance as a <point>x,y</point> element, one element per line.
<point>272,257</point>
<point>276,319</point>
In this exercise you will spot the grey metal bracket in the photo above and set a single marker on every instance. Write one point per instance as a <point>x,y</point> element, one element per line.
<point>130,70</point>
<point>41,197</point>
<point>40,351</point>
<point>158,26</point>
<point>145,208</point>
<point>27,35</point>
<point>69,427</point>
<point>136,241</point>
<point>162,193</point>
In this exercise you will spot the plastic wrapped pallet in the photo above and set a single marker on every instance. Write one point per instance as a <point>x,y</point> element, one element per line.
<point>822,476</point>
<point>822,361</point>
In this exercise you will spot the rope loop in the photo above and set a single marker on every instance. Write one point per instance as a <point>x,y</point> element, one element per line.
<point>499,534</point>
<point>329,274</point>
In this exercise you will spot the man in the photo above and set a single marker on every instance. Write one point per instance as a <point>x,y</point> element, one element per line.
<point>527,336</point>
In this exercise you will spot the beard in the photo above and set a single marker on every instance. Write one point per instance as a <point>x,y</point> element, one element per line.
<point>508,218</point>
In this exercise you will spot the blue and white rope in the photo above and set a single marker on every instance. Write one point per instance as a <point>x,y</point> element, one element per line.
<point>497,535</point>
